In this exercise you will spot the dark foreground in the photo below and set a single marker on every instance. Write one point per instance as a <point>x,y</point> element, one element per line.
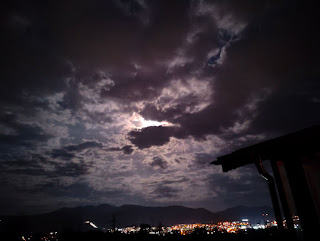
<point>260,235</point>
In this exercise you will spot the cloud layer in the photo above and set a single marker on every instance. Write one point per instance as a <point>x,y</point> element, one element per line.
<point>129,101</point>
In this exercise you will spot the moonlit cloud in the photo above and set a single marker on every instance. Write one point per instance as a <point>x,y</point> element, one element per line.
<point>129,101</point>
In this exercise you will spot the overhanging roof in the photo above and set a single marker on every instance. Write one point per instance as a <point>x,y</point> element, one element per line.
<point>291,145</point>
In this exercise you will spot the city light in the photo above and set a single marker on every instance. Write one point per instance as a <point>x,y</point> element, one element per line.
<point>200,228</point>
<point>224,227</point>
<point>91,224</point>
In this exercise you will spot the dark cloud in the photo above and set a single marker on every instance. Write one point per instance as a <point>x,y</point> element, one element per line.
<point>20,166</point>
<point>244,186</point>
<point>180,159</point>
<point>67,169</point>
<point>289,110</point>
<point>158,161</point>
<point>277,57</point>
<point>180,180</point>
<point>153,136</point>
<point>15,135</point>
<point>125,149</point>
<point>35,165</point>
<point>99,117</point>
<point>79,190</point>
<point>26,135</point>
<point>71,169</point>
<point>32,64</point>
<point>268,56</point>
<point>83,146</point>
<point>163,191</point>
<point>202,160</point>
<point>85,35</point>
<point>140,87</point>
<point>69,152</point>
<point>207,121</point>
<point>61,153</point>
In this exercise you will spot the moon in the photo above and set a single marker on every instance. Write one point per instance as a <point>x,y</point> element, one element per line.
<point>139,122</point>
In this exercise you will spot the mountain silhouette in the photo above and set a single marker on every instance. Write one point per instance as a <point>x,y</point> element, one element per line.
<point>106,216</point>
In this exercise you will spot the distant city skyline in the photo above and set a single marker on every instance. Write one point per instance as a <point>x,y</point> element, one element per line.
<point>107,217</point>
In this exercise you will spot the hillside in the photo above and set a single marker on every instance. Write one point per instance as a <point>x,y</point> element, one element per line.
<point>127,215</point>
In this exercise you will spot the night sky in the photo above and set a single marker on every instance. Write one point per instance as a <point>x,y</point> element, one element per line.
<point>128,102</point>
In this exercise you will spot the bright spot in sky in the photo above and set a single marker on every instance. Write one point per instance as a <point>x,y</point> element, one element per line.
<point>139,122</point>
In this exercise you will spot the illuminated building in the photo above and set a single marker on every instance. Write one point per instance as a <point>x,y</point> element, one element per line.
<point>91,224</point>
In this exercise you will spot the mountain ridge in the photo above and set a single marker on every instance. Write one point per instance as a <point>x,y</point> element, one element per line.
<point>106,216</point>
